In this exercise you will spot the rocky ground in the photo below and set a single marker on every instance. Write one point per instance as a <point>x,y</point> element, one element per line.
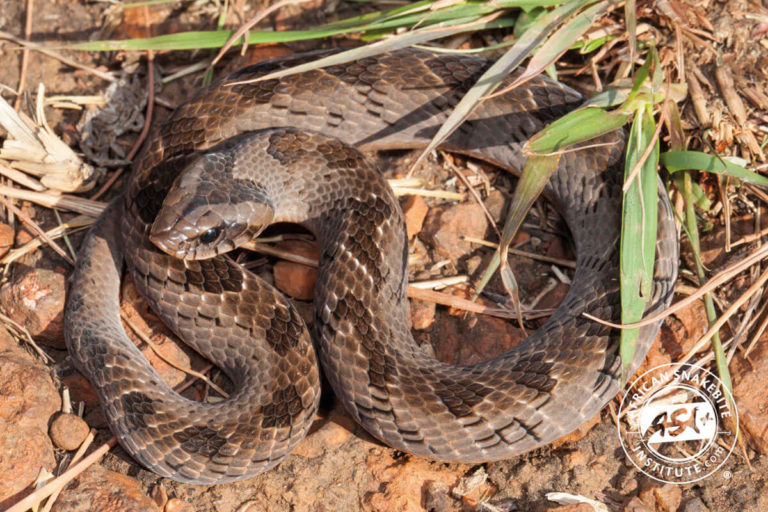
<point>339,467</point>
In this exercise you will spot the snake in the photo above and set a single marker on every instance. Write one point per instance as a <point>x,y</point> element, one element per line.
<point>245,153</point>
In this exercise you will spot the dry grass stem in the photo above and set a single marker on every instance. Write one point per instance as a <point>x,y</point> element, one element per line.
<point>720,278</point>
<point>34,226</point>
<point>436,284</point>
<point>715,327</point>
<point>78,455</point>
<point>33,147</point>
<point>63,202</point>
<point>280,253</point>
<point>453,301</point>
<point>518,252</point>
<point>59,482</point>
<point>77,224</point>
<point>21,332</point>
<point>104,75</point>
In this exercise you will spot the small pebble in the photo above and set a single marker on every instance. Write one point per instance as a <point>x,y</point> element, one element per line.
<point>6,238</point>
<point>68,431</point>
<point>177,505</point>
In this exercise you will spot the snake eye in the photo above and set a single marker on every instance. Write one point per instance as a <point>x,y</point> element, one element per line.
<point>210,236</point>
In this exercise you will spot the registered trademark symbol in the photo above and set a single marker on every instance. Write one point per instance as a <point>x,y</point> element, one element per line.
<point>727,474</point>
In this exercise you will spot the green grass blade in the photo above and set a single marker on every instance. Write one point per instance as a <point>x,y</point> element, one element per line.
<point>577,126</point>
<point>491,79</point>
<point>638,232</point>
<point>390,44</point>
<point>561,41</point>
<point>676,161</point>
<point>199,39</point>
<point>685,185</point>
<point>535,175</point>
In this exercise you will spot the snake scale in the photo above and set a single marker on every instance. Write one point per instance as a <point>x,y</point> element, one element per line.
<point>236,158</point>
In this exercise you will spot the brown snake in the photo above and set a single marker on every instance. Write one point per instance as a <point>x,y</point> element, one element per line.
<point>230,165</point>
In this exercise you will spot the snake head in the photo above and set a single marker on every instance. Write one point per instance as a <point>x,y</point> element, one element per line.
<point>207,213</point>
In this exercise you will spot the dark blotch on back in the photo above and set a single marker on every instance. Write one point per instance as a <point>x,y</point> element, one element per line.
<point>200,440</point>
<point>285,330</point>
<point>216,275</point>
<point>136,405</point>
<point>460,396</point>
<point>286,405</point>
<point>381,367</point>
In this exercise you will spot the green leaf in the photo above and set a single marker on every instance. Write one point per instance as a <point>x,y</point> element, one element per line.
<point>676,161</point>
<point>574,127</point>
<point>638,232</point>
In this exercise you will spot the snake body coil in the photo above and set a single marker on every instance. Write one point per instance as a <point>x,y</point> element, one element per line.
<point>263,142</point>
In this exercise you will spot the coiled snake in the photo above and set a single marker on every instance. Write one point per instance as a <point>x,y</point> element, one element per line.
<point>235,158</point>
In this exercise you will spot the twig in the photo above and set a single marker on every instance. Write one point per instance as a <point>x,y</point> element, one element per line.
<point>726,315</point>
<point>77,224</point>
<point>69,62</point>
<point>710,285</point>
<point>517,252</point>
<point>37,229</point>
<point>24,55</point>
<point>62,480</point>
<point>280,253</point>
<point>474,195</point>
<point>78,455</point>
<point>243,30</point>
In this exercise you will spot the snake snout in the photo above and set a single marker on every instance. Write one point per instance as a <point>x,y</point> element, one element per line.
<point>173,238</point>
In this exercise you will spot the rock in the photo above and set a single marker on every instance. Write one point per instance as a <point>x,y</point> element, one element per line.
<point>636,505</point>
<point>691,324</point>
<point>333,433</point>
<point>557,249</point>
<point>446,226</point>
<point>415,211</point>
<point>68,431</point>
<point>422,314</point>
<point>574,459</point>
<point>34,298</point>
<point>695,505</point>
<point>662,498</point>
<point>553,297</point>
<point>294,279</point>
<point>398,484</point>
<point>177,505</point>
<point>105,491</point>
<point>6,239</point>
<point>751,394</point>
<point>577,434</point>
<point>496,203</point>
<point>473,339</point>
<point>23,452</point>
<point>436,498</point>
<point>575,507</point>
<point>29,399</point>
